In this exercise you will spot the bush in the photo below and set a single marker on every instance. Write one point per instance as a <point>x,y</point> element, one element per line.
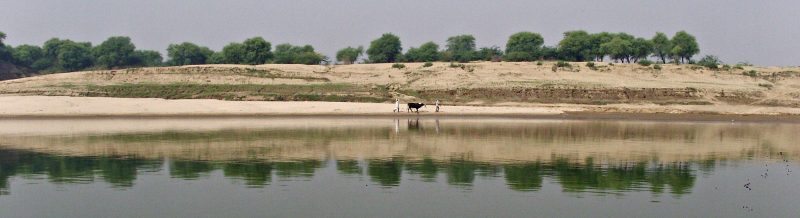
<point>726,67</point>
<point>591,65</point>
<point>657,66</point>
<point>645,62</point>
<point>563,64</point>
<point>539,63</point>
<point>710,62</point>
<point>427,64</point>
<point>454,65</point>
<point>751,73</point>
<point>398,66</point>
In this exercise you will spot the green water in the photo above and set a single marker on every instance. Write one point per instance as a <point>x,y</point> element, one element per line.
<point>359,167</point>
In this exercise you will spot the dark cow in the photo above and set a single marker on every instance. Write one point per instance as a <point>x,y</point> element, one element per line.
<point>414,106</point>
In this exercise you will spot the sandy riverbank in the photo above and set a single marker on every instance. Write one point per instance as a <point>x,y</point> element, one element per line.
<point>75,107</point>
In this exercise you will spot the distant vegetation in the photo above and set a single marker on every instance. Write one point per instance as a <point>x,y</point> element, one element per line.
<point>63,55</point>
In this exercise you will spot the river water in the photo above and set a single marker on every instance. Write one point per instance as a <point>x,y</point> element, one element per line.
<point>370,167</point>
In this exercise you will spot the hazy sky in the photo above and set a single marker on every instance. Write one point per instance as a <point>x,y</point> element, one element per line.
<point>761,32</point>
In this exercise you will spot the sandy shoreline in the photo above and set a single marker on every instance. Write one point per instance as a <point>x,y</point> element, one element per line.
<point>33,107</point>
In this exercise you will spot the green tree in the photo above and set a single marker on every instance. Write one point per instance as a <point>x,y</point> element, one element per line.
<point>289,54</point>
<point>6,52</point>
<point>576,46</point>
<point>74,56</point>
<point>116,51</point>
<point>187,53</point>
<point>425,53</point>
<point>493,53</point>
<point>461,48</point>
<point>595,42</point>
<point>618,48</point>
<point>257,51</point>
<point>524,46</point>
<point>550,53</point>
<point>147,58</point>
<point>26,55</point>
<point>216,58</point>
<point>233,53</point>
<point>386,49</point>
<point>50,47</point>
<point>662,46</point>
<point>640,49</point>
<point>349,55</point>
<point>684,46</point>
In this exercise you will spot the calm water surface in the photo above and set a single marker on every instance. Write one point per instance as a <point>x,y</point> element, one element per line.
<point>304,167</point>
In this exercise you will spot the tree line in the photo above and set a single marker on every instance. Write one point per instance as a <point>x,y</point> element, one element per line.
<point>528,46</point>
<point>60,55</point>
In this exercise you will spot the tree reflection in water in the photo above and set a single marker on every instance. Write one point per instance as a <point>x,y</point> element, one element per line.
<point>122,172</point>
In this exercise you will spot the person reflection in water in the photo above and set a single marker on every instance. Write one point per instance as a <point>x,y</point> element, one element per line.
<point>396,126</point>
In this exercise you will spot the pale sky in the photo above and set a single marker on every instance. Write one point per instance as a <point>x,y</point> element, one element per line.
<point>761,32</point>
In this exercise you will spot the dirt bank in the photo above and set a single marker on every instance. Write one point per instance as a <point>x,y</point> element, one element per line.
<point>625,88</point>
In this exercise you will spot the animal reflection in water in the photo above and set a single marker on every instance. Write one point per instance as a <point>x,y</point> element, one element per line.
<point>413,125</point>
<point>414,106</point>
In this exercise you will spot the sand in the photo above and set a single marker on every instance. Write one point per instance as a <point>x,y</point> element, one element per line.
<point>32,106</point>
<point>64,106</point>
<point>776,91</point>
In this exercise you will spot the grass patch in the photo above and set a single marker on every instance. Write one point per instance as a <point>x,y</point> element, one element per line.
<point>273,92</point>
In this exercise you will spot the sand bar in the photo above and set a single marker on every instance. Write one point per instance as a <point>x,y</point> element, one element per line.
<point>101,107</point>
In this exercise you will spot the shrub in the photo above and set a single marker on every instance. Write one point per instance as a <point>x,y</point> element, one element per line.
<point>726,67</point>
<point>645,62</point>
<point>455,65</point>
<point>563,64</point>
<point>710,62</point>
<point>398,66</point>
<point>657,66</point>
<point>539,63</point>
<point>751,73</point>
<point>427,64</point>
<point>610,64</point>
<point>591,65</point>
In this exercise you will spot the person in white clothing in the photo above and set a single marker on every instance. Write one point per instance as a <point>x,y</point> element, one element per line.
<point>437,105</point>
<point>397,105</point>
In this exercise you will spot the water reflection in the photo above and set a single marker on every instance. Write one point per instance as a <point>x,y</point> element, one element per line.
<point>596,157</point>
<point>573,177</point>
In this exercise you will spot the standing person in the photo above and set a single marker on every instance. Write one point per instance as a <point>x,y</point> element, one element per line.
<point>437,105</point>
<point>397,105</point>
